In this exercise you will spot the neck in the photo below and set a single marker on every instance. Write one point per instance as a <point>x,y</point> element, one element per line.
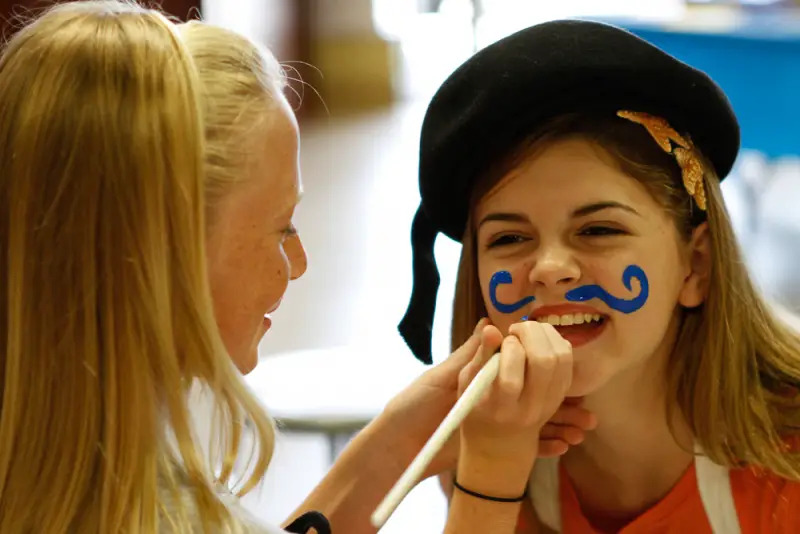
<point>634,457</point>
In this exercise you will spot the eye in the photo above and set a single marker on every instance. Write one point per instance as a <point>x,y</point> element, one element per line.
<point>505,240</point>
<point>601,231</point>
<point>290,231</point>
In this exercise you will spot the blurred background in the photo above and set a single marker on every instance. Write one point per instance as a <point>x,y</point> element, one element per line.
<point>363,73</point>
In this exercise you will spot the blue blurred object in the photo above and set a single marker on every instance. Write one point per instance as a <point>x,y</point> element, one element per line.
<point>756,62</point>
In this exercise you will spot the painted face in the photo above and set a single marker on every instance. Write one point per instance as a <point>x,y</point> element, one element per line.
<point>253,248</point>
<point>569,239</point>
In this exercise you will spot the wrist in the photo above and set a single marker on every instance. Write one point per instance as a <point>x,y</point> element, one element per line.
<point>500,476</point>
<point>506,450</point>
<point>492,498</point>
<point>408,435</point>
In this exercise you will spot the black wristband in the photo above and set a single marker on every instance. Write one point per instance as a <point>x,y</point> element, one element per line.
<point>310,520</point>
<point>489,497</point>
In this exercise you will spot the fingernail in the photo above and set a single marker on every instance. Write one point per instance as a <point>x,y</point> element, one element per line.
<point>479,326</point>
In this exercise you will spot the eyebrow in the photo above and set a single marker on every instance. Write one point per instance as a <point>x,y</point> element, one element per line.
<point>594,207</point>
<point>583,211</point>
<point>503,217</point>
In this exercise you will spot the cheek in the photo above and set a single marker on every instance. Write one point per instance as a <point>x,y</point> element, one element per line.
<point>263,276</point>
<point>647,327</point>
<point>247,281</point>
<point>274,277</point>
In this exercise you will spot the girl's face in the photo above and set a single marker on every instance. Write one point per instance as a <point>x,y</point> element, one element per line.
<point>253,247</point>
<point>564,226</point>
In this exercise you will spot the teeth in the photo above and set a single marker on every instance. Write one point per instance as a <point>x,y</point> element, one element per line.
<point>570,319</point>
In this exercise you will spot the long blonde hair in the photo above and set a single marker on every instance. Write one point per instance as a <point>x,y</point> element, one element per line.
<point>240,87</point>
<point>735,367</point>
<point>106,316</point>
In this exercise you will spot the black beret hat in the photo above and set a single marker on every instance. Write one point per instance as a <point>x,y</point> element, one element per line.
<point>505,91</point>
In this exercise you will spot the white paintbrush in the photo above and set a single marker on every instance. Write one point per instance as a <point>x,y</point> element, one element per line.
<point>412,474</point>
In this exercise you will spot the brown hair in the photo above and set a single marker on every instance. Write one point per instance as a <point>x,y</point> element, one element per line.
<point>735,367</point>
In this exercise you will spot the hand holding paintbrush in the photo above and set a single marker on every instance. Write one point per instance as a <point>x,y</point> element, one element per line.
<point>506,400</point>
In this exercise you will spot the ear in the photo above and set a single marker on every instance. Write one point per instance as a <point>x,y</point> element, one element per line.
<point>695,285</point>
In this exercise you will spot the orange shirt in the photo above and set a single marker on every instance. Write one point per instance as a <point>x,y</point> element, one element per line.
<point>765,504</point>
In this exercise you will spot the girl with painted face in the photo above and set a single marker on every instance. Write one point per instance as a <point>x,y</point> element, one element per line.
<point>580,168</point>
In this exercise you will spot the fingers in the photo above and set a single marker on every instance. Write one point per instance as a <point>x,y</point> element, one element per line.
<point>561,379</point>
<point>466,352</point>
<point>570,415</point>
<point>549,368</point>
<point>568,434</point>
<point>490,340</point>
<point>555,440</point>
<point>541,362</point>
<point>552,448</point>
<point>510,380</point>
<point>480,326</point>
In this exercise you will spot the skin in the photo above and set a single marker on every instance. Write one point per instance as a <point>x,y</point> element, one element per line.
<point>549,250</point>
<point>254,249</point>
<point>568,217</point>
<point>254,252</point>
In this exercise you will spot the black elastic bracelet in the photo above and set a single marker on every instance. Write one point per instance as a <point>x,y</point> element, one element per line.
<point>489,497</point>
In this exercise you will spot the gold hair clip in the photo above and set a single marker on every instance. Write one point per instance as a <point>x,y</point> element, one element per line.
<point>685,154</point>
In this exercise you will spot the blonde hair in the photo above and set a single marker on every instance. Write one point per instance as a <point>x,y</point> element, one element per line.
<point>241,85</point>
<point>735,367</point>
<point>106,317</point>
<point>240,88</point>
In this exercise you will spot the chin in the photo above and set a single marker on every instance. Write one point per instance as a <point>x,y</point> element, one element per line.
<point>586,380</point>
<point>247,362</point>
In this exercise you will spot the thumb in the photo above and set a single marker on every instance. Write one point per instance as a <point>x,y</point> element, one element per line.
<point>490,340</point>
<point>449,369</point>
<point>464,354</point>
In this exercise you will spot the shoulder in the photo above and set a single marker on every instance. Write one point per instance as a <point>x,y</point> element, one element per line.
<point>241,521</point>
<point>244,521</point>
<point>766,502</point>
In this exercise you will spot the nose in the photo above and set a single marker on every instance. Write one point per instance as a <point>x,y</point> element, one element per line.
<point>296,254</point>
<point>554,266</point>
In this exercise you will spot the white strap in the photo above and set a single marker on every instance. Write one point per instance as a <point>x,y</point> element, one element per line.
<point>544,493</point>
<point>714,484</point>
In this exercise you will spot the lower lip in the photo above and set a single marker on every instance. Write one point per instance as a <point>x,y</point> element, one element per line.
<point>267,323</point>
<point>579,335</point>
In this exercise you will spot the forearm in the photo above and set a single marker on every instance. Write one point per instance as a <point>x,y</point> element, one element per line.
<point>361,477</point>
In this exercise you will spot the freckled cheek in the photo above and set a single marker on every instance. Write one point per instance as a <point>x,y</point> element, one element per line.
<point>274,278</point>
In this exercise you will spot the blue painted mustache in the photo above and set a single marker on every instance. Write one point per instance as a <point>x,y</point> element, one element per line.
<point>584,293</point>
<point>581,294</point>
<point>504,277</point>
